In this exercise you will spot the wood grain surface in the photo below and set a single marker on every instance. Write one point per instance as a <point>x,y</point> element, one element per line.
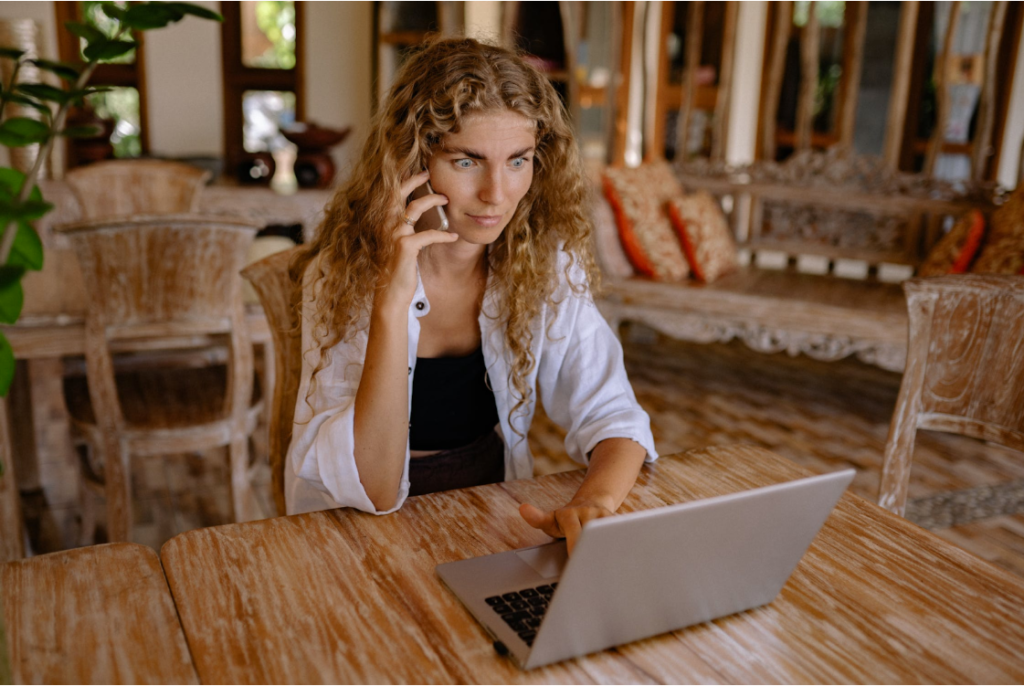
<point>93,615</point>
<point>348,597</point>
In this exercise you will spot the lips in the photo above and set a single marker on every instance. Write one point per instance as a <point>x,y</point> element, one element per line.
<point>486,219</point>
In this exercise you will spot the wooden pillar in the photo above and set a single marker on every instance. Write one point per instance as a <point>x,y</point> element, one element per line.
<point>723,102</point>
<point>776,70</point>
<point>810,48</point>
<point>853,64</point>
<point>900,83</point>
<point>618,156</point>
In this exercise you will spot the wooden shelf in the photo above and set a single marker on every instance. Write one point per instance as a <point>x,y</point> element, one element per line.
<point>593,96</point>
<point>402,37</point>
<point>704,97</point>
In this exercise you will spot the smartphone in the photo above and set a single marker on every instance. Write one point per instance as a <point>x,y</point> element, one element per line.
<point>434,217</point>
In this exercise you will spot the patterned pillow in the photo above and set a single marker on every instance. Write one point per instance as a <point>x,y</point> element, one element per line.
<point>638,197</point>
<point>1004,250</point>
<point>955,252</point>
<point>705,235</point>
<point>610,255</point>
<point>1004,255</point>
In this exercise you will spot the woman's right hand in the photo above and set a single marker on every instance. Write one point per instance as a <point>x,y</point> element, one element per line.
<point>401,288</point>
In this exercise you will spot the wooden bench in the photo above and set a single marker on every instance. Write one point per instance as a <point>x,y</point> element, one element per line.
<point>824,242</point>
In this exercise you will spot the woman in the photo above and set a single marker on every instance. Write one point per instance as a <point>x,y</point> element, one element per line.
<point>424,352</point>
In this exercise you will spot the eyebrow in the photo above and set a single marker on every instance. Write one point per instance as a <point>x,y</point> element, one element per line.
<point>478,156</point>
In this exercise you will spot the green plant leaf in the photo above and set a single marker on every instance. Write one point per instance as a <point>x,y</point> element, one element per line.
<point>18,132</point>
<point>29,102</point>
<point>11,53</point>
<point>113,11</point>
<point>68,72</point>
<point>41,91</point>
<point>151,15</point>
<point>108,49</point>
<point>90,33</point>
<point>195,10</point>
<point>6,368</point>
<point>84,131</point>
<point>94,89</point>
<point>32,209</point>
<point>12,297</point>
<point>27,250</point>
<point>11,181</point>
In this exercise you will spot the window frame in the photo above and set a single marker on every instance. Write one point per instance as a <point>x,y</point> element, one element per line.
<point>238,78</point>
<point>132,75</point>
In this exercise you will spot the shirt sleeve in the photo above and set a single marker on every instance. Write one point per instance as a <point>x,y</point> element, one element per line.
<point>583,382</point>
<point>322,452</point>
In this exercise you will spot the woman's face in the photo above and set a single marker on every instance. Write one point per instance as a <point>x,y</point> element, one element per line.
<point>485,170</point>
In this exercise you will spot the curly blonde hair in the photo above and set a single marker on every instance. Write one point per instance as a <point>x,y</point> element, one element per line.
<point>442,83</point>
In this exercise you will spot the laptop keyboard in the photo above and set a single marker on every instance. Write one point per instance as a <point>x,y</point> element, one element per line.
<point>523,610</point>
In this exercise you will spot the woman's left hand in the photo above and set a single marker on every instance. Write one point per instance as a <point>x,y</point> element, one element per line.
<point>565,522</point>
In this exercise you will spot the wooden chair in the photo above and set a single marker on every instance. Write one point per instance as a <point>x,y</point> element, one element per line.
<point>163,283</point>
<point>272,281</point>
<point>965,370</point>
<point>122,188</point>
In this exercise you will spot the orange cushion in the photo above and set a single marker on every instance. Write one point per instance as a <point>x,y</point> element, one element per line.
<point>957,249</point>
<point>638,197</point>
<point>1003,252</point>
<point>704,233</point>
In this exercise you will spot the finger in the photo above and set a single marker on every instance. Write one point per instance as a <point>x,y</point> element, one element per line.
<point>569,522</point>
<point>414,182</point>
<point>539,519</point>
<point>417,207</point>
<point>414,242</point>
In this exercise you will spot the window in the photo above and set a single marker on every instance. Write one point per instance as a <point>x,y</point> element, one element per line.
<point>262,65</point>
<point>124,106</point>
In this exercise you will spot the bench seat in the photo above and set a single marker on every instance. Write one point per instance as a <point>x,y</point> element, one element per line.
<point>823,316</point>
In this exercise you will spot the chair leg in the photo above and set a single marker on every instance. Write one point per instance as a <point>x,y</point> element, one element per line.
<point>86,499</point>
<point>241,488</point>
<point>899,453</point>
<point>118,489</point>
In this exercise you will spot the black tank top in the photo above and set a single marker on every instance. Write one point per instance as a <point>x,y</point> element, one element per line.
<point>451,403</point>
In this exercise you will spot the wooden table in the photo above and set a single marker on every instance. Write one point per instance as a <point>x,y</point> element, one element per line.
<point>101,614</point>
<point>343,596</point>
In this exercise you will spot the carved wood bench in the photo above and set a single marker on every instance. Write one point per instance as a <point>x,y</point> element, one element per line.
<point>824,243</point>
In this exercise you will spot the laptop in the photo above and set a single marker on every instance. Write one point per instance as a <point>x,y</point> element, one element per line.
<point>644,573</point>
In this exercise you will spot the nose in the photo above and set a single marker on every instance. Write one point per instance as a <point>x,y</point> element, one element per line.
<point>492,187</point>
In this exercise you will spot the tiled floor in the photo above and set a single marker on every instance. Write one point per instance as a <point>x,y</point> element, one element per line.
<point>822,415</point>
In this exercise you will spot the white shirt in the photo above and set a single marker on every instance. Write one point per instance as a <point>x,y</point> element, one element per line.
<point>579,372</point>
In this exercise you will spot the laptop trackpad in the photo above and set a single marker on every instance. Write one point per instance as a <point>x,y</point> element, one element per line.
<point>547,560</point>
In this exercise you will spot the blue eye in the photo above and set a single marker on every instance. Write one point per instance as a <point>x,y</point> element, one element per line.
<point>519,162</point>
<point>467,165</point>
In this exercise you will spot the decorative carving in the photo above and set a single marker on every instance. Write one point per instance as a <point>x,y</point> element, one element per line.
<point>890,357</point>
<point>814,224</point>
<point>837,167</point>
